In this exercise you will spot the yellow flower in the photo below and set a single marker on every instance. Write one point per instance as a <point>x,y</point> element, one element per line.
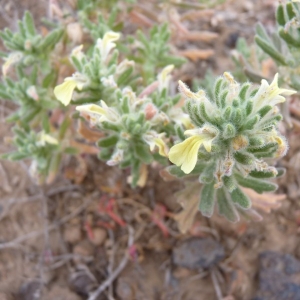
<point>281,142</point>
<point>188,94</point>
<point>270,94</point>
<point>116,158</point>
<point>11,60</point>
<point>106,44</point>
<point>45,138</point>
<point>64,91</point>
<point>98,114</point>
<point>164,77</point>
<point>180,117</point>
<point>154,139</point>
<point>185,154</point>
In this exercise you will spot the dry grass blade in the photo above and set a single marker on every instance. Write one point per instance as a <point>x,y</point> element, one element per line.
<point>188,198</point>
<point>265,202</point>
<point>88,134</point>
<point>197,54</point>
<point>203,36</point>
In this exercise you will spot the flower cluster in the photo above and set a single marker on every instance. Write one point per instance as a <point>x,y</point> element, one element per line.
<point>136,123</point>
<point>233,134</point>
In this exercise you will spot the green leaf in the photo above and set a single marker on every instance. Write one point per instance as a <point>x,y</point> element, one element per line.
<point>49,79</point>
<point>239,198</point>
<point>237,117</point>
<point>259,186</point>
<point>223,98</point>
<point>29,24</point>
<point>289,38</point>
<point>109,141</point>
<point>262,174</point>
<point>229,131</point>
<point>217,89</point>
<point>71,150</point>
<point>123,78</point>
<point>207,200</point>
<point>226,207</point>
<point>135,172</point>
<point>64,127</point>
<point>261,32</point>
<point>143,153</point>
<point>229,183</point>
<point>105,154</point>
<point>227,113</point>
<point>17,156</point>
<point>290,11</point>
<point>176,171</point>
<point>280,15</point>
<point>281,172</point>
<point>110,126</point>
<point>269,49</point>
<point>207,176</point>
<point>243,91</point>
<point>243,158</point>
<point>264,110</point>
<point>249,125</point>
<point>50,40</point>
<point>249,107</point>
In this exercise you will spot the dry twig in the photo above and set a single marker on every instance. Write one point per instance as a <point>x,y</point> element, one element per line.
<point>117,271</point>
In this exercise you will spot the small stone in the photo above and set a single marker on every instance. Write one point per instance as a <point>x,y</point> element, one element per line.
<point>82,283</point>
<point>30,291</point>
<point>196,253</point>
<point>279,277</point>
<point>99,236</point>
<point>72,234</point>
<point>124,289</point>
<point>84,248</point>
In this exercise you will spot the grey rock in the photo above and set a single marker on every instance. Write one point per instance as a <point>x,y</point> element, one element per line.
<point>30,291</point>
<point>196,253</point>
<point>279,277</point>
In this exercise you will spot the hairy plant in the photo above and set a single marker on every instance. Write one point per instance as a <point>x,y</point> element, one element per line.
<point>133,124</point>
<point>282,46</point>
<point>121,87</point>
<point>233,135</point>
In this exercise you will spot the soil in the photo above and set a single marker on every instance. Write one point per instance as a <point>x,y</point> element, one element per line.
<point>65,240</point>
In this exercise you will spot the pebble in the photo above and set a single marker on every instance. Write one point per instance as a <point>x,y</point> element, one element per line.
<point>82,284</point>
<point>30,291</point>
<point>99,236</point>
<point>195,253</point>
<point>279,277</point>
<point>72,234</point>
<point>83,248</point>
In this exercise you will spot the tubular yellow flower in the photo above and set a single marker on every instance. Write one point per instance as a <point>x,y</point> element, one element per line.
<point>156,140</point>
<point>282,147</point>
<point>106,44</point>
<point>162,147</point>
<point>270,94</point>
<point>164,77</point>
<point>188,94</point>
<point>45,138</point>
<point>185,154</point>
<point>10,60</point>
<point>99,113</point>
<point>64,91</point>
